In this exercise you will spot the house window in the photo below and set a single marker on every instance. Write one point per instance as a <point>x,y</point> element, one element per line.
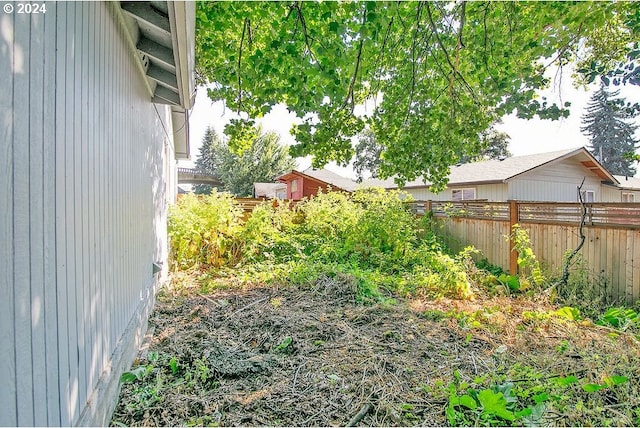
<point>294,186</point>
<point>463,194</point>
<point>588,196</point>
<point>628,197</point>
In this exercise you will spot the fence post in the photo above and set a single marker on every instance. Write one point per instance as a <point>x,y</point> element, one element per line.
<point>513,254</point>
<point>427,206</point>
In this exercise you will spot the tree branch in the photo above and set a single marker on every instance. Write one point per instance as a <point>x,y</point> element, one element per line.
<point>307,38</point>
<point>360,415</point>
<point>454,70</point>
<point>413,61</point>
<point>460,44</point>
<point>352,84</point>
<point>239,73</point>
<point>565,271</point>
<point>381,58</point>
<point>350,93</point>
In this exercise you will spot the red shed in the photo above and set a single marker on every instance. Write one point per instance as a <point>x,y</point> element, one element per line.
<point>306,183</point>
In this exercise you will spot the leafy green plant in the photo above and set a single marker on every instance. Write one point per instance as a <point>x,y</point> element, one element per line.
<point>285,346</point>
<point>491,268</point>
<point>608,382</point>
<point>527,260</point>
<point>494,406</point>
<point>203,230</point>
<point>511,281</point>
<point>620,318</point>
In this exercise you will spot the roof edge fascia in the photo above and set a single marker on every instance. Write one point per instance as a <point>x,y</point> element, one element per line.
<point>182,19</point>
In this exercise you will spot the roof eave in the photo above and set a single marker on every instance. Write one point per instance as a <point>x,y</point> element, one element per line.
<point>450,184</point>
<point>288,175</point>
<point>182,19</point>
<point>559,158</point>
<point>567,156</point>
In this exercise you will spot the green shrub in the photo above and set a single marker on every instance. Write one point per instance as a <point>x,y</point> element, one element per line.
<point>267,234</point>
<point>368,236</point>
<point>203,230</point>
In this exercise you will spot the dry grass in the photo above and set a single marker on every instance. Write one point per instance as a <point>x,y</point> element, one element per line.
<point>314,356</point>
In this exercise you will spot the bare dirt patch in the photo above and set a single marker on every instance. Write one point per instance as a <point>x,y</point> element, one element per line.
<point>314,356</point>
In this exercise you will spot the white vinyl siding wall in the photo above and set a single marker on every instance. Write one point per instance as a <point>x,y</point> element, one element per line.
<point>82,208</point>
<point>556,182</point>
<point>491,192</point>
<point>610,194</point>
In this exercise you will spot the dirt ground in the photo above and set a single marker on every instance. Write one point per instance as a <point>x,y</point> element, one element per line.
<point>314,356</point>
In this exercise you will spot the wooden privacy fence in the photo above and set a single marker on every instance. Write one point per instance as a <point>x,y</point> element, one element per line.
<point>611,249</point>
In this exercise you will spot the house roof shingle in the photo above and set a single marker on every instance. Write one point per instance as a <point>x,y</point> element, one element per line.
<point>494,170</point>
<point>628,183</point>
<point>331,178</point>
<point>323,175</point>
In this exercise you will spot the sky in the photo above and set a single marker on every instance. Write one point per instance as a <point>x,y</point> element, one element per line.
<point>526,136</point>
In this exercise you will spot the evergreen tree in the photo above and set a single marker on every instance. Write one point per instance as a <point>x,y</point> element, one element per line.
<point>210,158</point>
<point>611,136</point>
<point>494,144</point>
<point>367,155</point>
<point>262,161</point>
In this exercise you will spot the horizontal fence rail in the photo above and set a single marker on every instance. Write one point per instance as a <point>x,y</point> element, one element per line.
<point>596,214</point>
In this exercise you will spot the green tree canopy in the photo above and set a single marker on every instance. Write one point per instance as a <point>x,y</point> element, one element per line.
<point>611,136</point>
<point>262,160</point>
<point>435,74</point>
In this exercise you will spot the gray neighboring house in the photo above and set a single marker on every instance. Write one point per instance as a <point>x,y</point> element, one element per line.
<point>545,177</point>
<point>627,190</point>
<point>94,101</point>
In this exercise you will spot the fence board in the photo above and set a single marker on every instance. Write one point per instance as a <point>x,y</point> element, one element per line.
<point>611,251</point>
<point>636,266</point>
<point>629,266</point>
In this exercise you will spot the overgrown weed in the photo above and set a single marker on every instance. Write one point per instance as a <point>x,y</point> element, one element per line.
<point>369,235</point>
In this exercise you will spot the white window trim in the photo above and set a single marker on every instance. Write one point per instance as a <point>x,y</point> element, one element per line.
<point>462,192</point>
<point>585,196</point>
<point>630,197</point>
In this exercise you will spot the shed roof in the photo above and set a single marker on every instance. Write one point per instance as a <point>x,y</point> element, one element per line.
<point>322,175</point>
<point>500,171</point>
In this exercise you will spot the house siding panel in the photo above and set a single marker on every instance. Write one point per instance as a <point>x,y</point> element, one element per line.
<point>610,194</point>
<point>556,182</point>
<point>52,359</point>
<point>491,192</point>
<point>83,196</point>
<point>8,415</point>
